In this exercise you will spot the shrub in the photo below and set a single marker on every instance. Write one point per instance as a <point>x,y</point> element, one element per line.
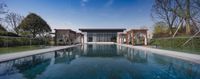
<point>8,34</point>
<point>177,43</point>
<point>19,41</point>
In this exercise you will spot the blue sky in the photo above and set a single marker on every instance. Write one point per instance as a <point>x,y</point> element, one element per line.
<point>76,14</point>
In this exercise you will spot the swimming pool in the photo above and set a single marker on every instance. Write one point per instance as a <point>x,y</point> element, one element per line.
<point>99,61</point>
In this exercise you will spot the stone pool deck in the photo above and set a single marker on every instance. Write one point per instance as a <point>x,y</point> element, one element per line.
<point>11,56</point>
<point>181,55</point>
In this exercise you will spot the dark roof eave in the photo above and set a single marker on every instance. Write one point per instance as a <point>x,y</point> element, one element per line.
<point>108,29</point>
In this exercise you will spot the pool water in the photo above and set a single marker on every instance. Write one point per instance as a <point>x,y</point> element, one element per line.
<point>95,61</point>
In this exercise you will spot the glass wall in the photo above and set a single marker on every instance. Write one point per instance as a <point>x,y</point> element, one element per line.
<point>101,36</point>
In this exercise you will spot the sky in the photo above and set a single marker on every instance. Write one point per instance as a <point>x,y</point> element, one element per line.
<point>75,14</point>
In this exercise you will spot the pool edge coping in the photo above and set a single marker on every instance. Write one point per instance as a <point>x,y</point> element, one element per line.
<point>12,56</point>
<point>175,54</point>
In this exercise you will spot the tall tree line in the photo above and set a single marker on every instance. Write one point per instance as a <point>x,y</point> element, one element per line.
<point>178,13</point>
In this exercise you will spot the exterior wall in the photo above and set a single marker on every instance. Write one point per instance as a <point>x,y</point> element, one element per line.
<point>65,37</point>
<point>132,33</point>
<point>85,37</point>
<point>121,38</point>
<point>60,37</point>
<point>79,38</point>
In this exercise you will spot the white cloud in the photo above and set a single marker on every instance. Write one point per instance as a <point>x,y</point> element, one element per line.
<point>83,2</point>
<point>109,3</point>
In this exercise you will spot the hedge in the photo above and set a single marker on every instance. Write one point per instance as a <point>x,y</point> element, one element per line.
<point>177,43</point>
<point>19,41</point>
<point>8,34</point>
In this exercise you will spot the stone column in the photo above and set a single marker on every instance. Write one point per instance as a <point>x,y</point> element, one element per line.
<point>127,36</point>
<point>132,38</point>
<point>94,38</point>
<point>85,37</point>
<point>145,40</point>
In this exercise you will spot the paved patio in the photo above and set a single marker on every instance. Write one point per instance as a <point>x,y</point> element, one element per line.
<point>11,56</point>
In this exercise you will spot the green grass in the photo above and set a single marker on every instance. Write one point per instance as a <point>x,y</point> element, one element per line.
<point>176,44</point>
<point>4,50</point>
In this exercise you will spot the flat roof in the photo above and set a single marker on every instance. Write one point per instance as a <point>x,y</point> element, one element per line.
<point>65,30</point>
<point>121,33</point>
<point>102,29</point>
<point>137,29</point>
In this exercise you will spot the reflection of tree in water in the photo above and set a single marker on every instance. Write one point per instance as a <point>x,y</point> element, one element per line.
<point>124,74</point>
<point>178,68</point>
<point>33,67</point>
<point>7,68</point>
<point>64,56</point>
<point>160,59</point>
<point>191,71</point>
<point>101,51</point>
<point>121,50</point>
<point>137,56</point>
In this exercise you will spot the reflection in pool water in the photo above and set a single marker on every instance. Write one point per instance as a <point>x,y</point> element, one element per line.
<point>99,62</point>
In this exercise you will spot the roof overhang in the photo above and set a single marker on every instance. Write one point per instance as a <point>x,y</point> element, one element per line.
<point>102,29</point>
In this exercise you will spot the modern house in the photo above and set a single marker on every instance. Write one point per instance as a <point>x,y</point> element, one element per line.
<point>100,35</point>
<point>95,35</point>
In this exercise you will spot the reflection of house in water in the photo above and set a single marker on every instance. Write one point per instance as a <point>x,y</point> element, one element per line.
<point>101,50</point>
<point>121,49</point>
<point>26,66</point>
<point>136,56</point>
<point>64,56</point>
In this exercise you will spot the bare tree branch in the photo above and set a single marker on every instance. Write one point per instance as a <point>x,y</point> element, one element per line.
<point>13,20</point>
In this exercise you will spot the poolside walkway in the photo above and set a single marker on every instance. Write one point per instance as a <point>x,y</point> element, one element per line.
<point>11,56</point>
<point>181,55</point>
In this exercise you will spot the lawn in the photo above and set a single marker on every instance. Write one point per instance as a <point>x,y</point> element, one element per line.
<point>4,50</point>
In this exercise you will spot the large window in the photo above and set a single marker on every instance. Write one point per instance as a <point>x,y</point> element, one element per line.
<point>102,36</point>
<point>90,39</point>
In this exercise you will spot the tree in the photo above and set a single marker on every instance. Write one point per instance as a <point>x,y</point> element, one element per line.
<point>184,11</point>
<point>163,9</point>
<point>197,19</point>
<point>160,29</point>
<point>178,13</point>
<point>2,29</point>
<point>13,20</point>
<point>35,25</point>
